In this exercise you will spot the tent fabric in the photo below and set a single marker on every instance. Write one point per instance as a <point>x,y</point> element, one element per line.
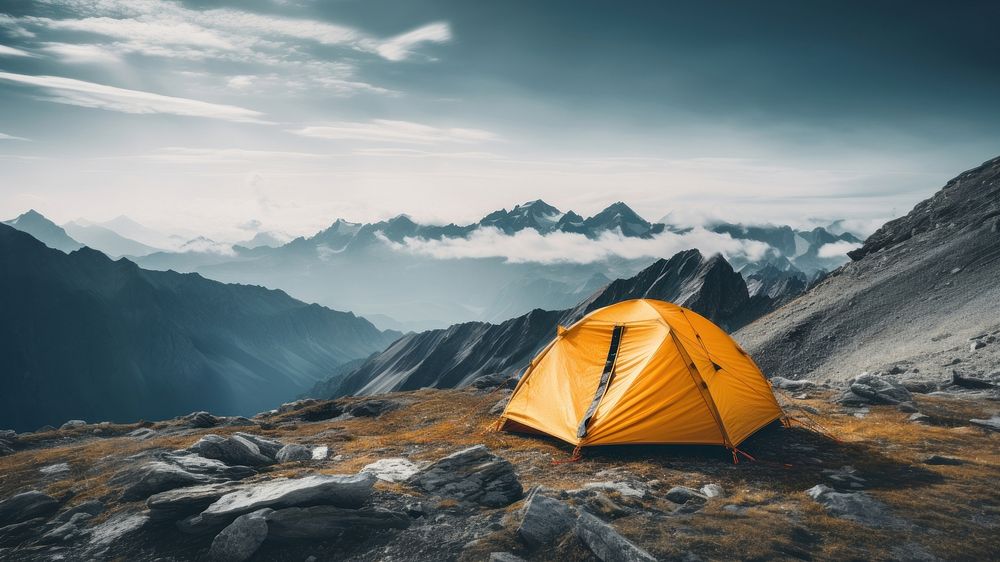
<point>674,378</point>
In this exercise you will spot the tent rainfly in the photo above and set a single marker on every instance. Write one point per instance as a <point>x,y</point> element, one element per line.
<point>642,372</point>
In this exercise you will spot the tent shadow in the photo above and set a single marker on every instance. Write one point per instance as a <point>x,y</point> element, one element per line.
<point>791,459</point>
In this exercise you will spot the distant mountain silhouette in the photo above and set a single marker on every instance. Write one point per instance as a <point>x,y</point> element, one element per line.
<point>82,336</point>
<point>48,232</point>
<point>107,240</point>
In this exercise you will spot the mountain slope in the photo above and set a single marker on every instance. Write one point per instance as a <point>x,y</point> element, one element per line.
<point>48,232</point>
<point>107,240</point>
<point>919,289</point>
<point>455,356</point>
<point>83,336</point>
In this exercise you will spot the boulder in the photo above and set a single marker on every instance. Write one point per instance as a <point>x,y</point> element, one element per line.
<point>545,521</point>
<point>113,530</point>
<point>216,469</point>
<point>17,533</point>
<point>626,489</point>
<point>26,505</point>
<point>321,489</point>
<point>297,405</point>
<point>241,539</point>
<point>606,544</point>
<point>234,450</point>
<point>873,389</point>
<point>917,417</point>
<point>268,447</point>
<point>67,531</point>
<point>201,420</point>
<point>71,424</point>
<point>142,433</point>
<point>473,475</point>
<point>854,506</point>
<point>683,494</point>
<point>177,504</point>
<point>154,477</point>
<point>496,380</point>
<point>976,383</point>
<point>294,452</point>
<point>392,470</point>
<point>91,507</point>
<point>327,521</point>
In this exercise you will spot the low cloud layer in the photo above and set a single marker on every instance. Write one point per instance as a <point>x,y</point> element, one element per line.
<point>563,247</point>
<point>836,249</point>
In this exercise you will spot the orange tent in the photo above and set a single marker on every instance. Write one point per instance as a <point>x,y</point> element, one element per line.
<point>642,371</point>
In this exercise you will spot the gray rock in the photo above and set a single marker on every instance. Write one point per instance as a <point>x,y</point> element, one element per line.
<point>320,453</point>
<point>239,421</point>
<point>473,475</point>
<point>234,450</point>
<point>392,470</point>
<point>606,544</point>
<point>627,489</point>
<point>91,507</point>
<point>327,521</point>
<point>154,477</point>
<point>321,489</point>
<point>216,469</point>
<point>907,407</point>
<point>297,405</point>
<point>873,389</point>
<point>920,386</point>
<point>177,504</point>
<point>73,424</point>
<point>496,410</point>
<point>67,531</point>
<point>113,530</point>
<point>855,506</point>
<point>26,505</point>
<point>683,494</point>
<point>978,344</point>
<point>495,380</point>
<point>54,469</point>
<point>792,385</point>
<point>976,383</point>
<point>142,433</point>
<point>267,447</point>
<point>545,521</point>
<point>917,417</point>
<point>294,452</point>
<point>713,491</point>
<point>17,533</point>
<point>241,539</point>
<point>201,420</point>
<point>992,424</point>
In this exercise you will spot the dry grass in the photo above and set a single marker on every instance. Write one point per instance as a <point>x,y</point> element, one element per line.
<point>954,509</point>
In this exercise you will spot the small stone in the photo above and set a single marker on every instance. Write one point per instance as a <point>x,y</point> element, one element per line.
<point>142,433</point>
<point>71,424</point>
<point>907,407</point>
<point>504,557</point>
<point>855,506</point>
<point>54,469</point>
<point>623,488</point>
<point>201,420</point>
<point>978,344</point>
<point>992,424</point>
<point>241,539</point>
<point>320,453</point>
<point>917,417</point>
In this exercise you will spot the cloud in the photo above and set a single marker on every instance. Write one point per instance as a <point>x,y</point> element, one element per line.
<point>179,154</point>
<point>401,46</point>
<point>89,94</point>
<point>415,153</point>
<point>80,53</point>
<point>563,247</point>
<point>384,130</point>
<point>5,136</point>
<point>240,82</point>
<point>6,51</point>
<point>836,249</point>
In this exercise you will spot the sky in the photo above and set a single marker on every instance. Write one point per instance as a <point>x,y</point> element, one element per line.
<point>224,118</point>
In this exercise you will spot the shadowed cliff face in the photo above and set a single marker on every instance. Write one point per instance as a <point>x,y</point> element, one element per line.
<point>83,336</point>
<point>455,356</point>
<point>916,292</point>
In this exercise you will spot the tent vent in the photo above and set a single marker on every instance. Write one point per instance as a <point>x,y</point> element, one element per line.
<point>609,367</point>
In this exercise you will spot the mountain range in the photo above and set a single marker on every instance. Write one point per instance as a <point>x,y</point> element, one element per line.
<point>83,336</point>
<point>454,357</point>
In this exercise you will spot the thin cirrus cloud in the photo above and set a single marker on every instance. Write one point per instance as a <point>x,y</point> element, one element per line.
<point>80,53</point>
<point>5,136</point>
<point>6,51</point>
<point>70,91</point>
<point>386,130</point>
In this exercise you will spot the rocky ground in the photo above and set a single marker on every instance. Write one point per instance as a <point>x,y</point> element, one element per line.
<point>898,471</point>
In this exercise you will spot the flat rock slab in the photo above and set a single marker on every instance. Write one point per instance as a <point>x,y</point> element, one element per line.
<point>392,470</point>
<point>337,490</point>
<point>545,521</point>
<point>855,506</point>
<point>992,424</point>
<point>473,475</point>
<point>177,504</point>
<point>154,477</point>
<point>327,521</point>
<point>605,542</point>
<point>198,464</point>
<point>233,450</point>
